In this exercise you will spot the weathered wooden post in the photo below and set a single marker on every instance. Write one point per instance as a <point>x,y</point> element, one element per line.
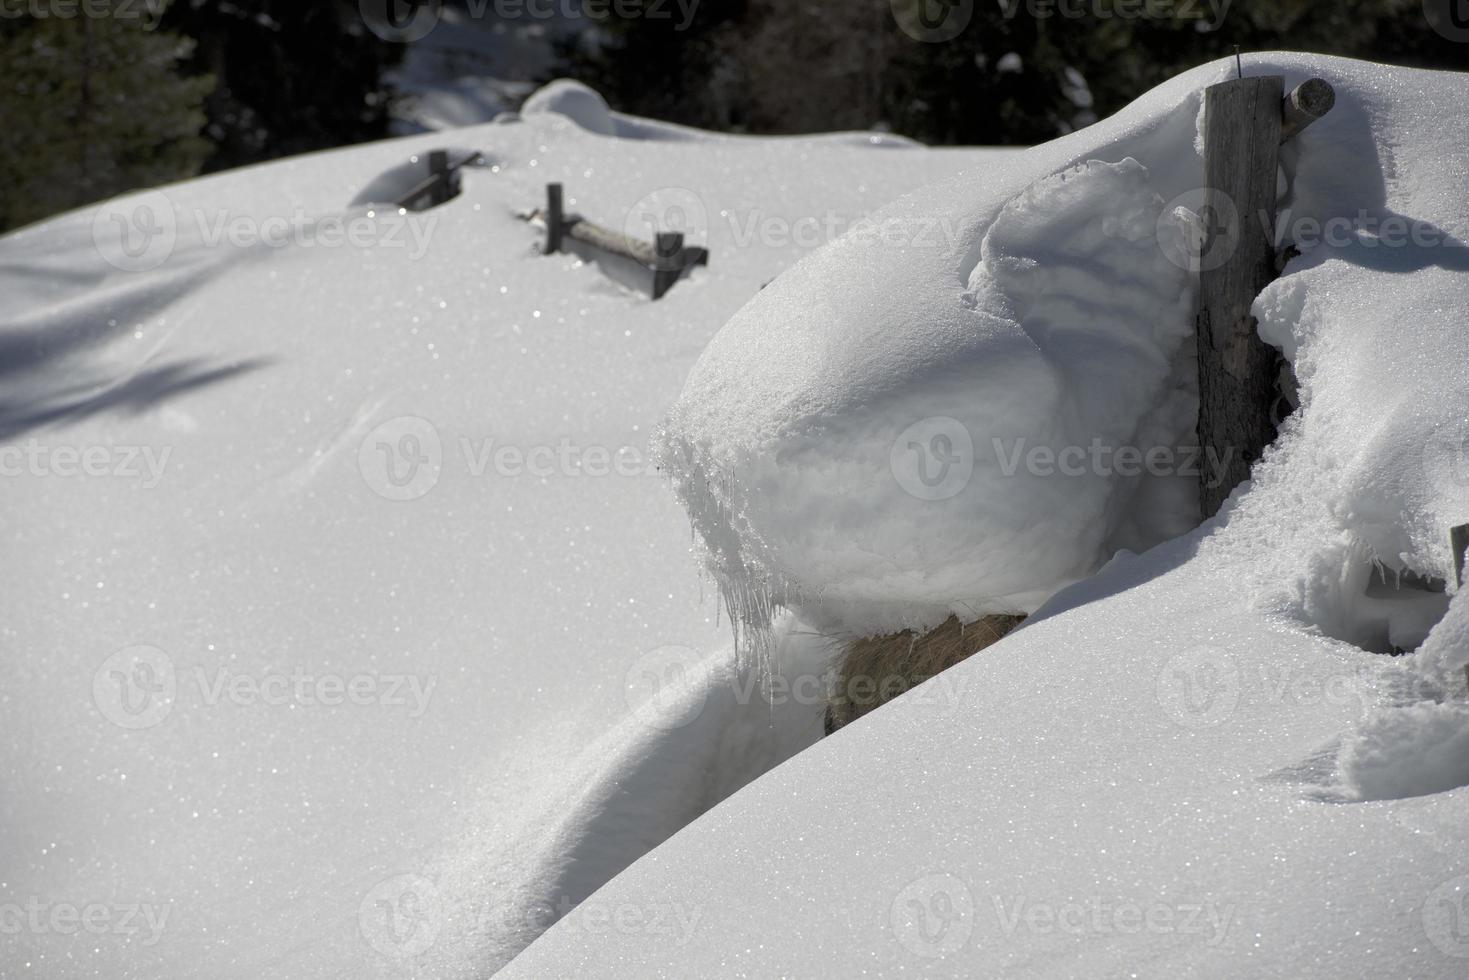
<point>1245,121</point>
<point>438,168</point>
<point>555,218</point>
<point>667,264</point>
<point>1459,543</point>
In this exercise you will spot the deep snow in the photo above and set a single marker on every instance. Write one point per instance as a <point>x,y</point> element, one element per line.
<point>1198,762</point>
<point>1192,763</point>
<point>282,532</point>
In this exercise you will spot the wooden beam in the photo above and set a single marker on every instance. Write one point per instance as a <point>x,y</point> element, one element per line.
<point>1237,370</point>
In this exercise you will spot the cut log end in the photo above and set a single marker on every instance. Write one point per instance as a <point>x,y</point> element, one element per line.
<point>1306,103</point>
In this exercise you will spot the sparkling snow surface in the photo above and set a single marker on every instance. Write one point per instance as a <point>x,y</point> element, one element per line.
<point>268,819</point>
<point>1194,763</point>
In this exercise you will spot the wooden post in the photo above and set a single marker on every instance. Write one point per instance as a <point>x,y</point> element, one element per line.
<point>1459,543</point>
<point>667,264</point>
<point>555,218</point>
<point>438,167</point>
<point>1245,120</point>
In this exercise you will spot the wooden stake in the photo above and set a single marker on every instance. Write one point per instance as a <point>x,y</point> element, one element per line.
<point>667,261</point>
<point>1459,543</point>
<point>555,218</point>
<point>1245,121</point>
<point>1242,122</point>
<point>438,168</point>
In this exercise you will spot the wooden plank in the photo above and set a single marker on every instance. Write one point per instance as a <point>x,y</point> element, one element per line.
<point>1237,370</point>
<point>611,241</point>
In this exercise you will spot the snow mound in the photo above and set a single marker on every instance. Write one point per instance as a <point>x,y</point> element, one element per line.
<point>578,103</point>
<point>1150,777</point>
<point>877,436</point>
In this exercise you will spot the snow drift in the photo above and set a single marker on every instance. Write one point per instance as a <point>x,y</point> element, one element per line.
<point>860,440</point>
<point>1199,761</point>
